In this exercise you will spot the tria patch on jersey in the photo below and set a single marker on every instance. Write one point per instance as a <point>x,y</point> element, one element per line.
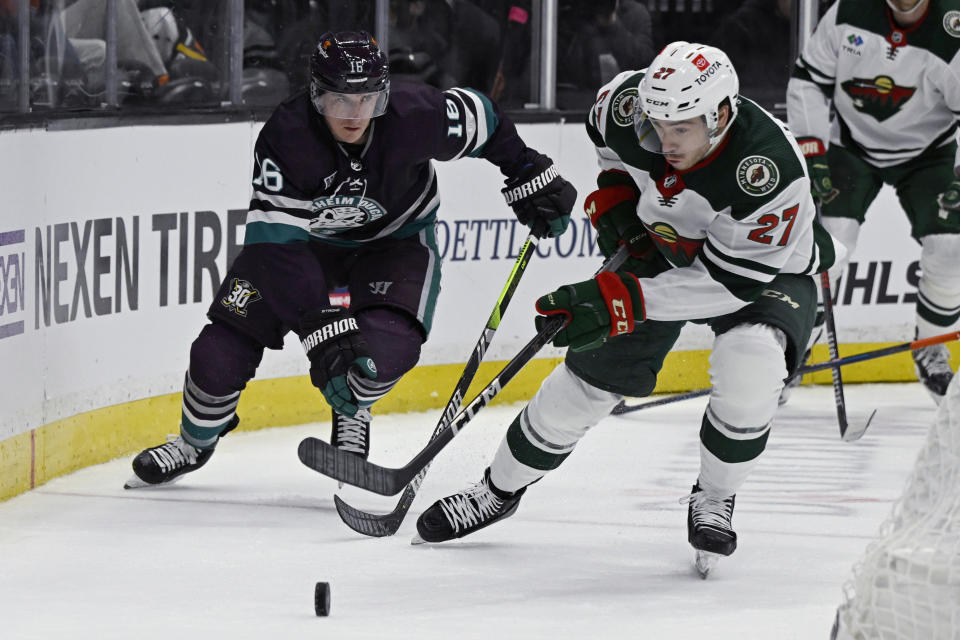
<point>880,97</point>
<point>623,106</point>
<point>757,175</point>
<point>336,213</point>
<point>951,23</point>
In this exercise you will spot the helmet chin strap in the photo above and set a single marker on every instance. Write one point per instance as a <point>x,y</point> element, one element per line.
<point>905,12</point>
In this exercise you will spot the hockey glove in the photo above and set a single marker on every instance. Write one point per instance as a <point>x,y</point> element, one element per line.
<point>335,345</point>
<point>606,306</point>
<point>821,184</point>
<point>613,213</point>
<point>949,202</point>
<point>540,198</point>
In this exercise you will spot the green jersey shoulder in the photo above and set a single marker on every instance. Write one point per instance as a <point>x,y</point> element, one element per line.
<point>758,161</point>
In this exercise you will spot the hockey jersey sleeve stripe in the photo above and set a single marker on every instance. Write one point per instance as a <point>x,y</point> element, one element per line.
<point>800,73</point>
<point>742,266</point>
<point>478,118</point>
<point>272,201</point>
<point>276,227</point>
<point>744,288</point>
<point>818,76</point>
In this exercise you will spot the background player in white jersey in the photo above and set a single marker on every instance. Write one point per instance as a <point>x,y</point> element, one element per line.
<point>709,192</point>
<point>891,70</point>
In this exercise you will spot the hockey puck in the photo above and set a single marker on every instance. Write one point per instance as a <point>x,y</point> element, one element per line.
<point>321,599</point>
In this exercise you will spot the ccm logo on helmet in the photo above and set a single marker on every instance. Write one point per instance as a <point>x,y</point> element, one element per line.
<point>656,103</point>
<point>712,69</point>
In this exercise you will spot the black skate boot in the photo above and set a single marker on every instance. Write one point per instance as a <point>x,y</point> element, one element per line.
<point>932,365</point>
<point>352,434</point>
<point>165,463</point>
<point>476,507</point>
<point>710,527</point>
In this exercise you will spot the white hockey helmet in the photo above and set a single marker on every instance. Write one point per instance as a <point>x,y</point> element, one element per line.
<point>684,81</point>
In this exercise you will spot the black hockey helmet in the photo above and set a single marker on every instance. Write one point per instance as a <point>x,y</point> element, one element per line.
<point>347,64</point>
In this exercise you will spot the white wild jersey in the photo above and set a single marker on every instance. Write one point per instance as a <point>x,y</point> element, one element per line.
<point>896,91</point>
<point>728,225</point>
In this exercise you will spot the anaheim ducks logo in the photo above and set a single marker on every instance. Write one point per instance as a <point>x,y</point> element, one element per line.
<point>757,175</point>
<point>623,106</point>
<point>880,97</point>
<point>678,250</point>
<point>337,213</point>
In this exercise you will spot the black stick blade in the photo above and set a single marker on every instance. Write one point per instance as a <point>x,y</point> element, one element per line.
<point>369,524</point>
<point>348,467</point>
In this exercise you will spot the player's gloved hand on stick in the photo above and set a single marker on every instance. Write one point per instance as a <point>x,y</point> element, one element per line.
<point>606,306</point>
<point>949,203</point>
<point>540,198</point>
<point>613,213</point>
<point>821,184</point>
<point>335,345</point>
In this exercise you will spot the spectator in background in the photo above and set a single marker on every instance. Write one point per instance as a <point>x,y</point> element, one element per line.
<point>597,43</point>
<point>757,38</point>
<point>460,38</point>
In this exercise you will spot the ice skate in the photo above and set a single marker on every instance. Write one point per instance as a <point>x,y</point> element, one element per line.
<point>476,507</point>
<point>352,434</point>
<point>710,528</point>
<point>932,365</point>
<point>168,462</point>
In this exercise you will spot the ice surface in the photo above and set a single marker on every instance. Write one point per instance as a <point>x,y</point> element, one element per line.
<point>597,549</point>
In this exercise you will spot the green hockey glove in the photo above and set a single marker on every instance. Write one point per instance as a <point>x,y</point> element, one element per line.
<point>949,202</point>
<point>821,184</point>
<point>613,213</point>
<point>606,306</point>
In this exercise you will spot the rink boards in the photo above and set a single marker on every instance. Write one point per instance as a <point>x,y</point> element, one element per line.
<point>113,241</point>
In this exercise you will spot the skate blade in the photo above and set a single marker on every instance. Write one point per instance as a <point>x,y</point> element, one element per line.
<point>416,539</point>
<point>705,562</point>
<point>136,483</point>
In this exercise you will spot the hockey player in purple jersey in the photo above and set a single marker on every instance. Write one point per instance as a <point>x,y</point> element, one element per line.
<point>345,194</point>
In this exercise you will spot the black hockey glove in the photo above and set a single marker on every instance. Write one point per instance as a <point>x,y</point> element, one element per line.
<point>949,203</point>
<point>821,184</point>
<point>540,198</point>
<point>335,345</point>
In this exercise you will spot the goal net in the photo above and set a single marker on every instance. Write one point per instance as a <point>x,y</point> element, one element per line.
<point>907,585</point>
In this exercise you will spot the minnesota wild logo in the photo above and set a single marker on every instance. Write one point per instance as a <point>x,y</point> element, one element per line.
<point>678,250</point>
<point>951,23</point>
<point>623,106</point>
<point>880,97</point>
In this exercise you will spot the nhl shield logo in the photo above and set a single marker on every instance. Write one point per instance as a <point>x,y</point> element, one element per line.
<point>757,175</point>
<point>623,106</point>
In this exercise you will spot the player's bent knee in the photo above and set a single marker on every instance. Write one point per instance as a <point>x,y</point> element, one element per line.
<point>747,368</point>
<point>394,338</point>
<point>223,360</point>
<point>565,407</point>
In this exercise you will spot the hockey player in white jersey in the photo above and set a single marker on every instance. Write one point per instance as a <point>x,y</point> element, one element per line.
<point>709,192</point>
<point>891,71</point>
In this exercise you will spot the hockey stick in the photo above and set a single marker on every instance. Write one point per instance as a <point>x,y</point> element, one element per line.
<point>845,434</point>
<point>379,525</point>
<point>354,470</point>
<point>622,408</point>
